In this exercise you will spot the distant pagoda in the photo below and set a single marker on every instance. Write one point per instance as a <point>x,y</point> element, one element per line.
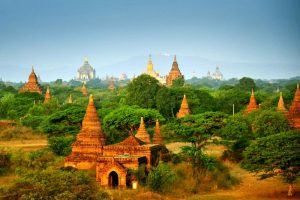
<point>84,90</point>
<point>293,114</point>
<point>174,73</point>
<point>89,141</point>
<point>86,72</point>
<point>32,85</point>
<point>47,95</point>
<point>280,105</point>
<point>142,133</point>
<point>184,108</point>
<point>252,103</point>
<point>157,139</point>
<point>155,74</point>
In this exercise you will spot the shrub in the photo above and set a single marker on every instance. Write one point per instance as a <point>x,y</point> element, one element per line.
<point>61,145</point>
<point>160,178</point>
<point>17,132</point>
<point>235,153</point>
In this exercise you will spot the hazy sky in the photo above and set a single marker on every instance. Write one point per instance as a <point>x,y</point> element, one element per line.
<point>54,34</point>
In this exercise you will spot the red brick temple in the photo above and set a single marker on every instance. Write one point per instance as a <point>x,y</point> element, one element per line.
<point>252,103</point>
<point>32,85</point>
<point>280,105</point>
<point>111,162</point>
<point>293,114</point>
<point>174,73</point>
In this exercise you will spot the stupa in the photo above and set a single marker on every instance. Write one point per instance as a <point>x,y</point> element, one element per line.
<point>47,95</point>
<point>280,106</point>
<point>89,141</point>
<point>252,103</point>
<point>32,85</point>
<point>184,108</point>
<point>142,133</point>
<point>174,73</point>
<point>155,74</point>
<point>293,114</point>
<point>70,99</point>
<point>84,90</point>
<point>157,139</point>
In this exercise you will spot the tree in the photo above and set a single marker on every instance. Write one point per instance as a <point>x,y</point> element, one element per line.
<point>61,145</point>
<point>165,102</point>
<point>273,155</point>
<point>269,122</point>
<point>142,91</point>
<point>246,84</point>
<point>125,121</point>
<point>178,82</point>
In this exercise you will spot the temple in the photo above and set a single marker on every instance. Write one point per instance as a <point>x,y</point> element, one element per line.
<point>70,99</point>
<point>293,114</point>
<point>280,105</point>
<point>184,108</point>
<point>86,72</point>
<point>157,139</point>
<point>111,162</point>
<point>151,72</point>
<point>252,103</point>
<point>47,95</point>
<point>32,85</point>
<point>174,73</point>
<point>84,90</point>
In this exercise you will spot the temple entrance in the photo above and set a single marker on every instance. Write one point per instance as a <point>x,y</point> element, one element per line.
<point>113,179</point>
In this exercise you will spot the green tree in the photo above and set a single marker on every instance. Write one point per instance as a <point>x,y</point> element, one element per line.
<point>178,82</point>
<point>165,102</point>
<point>273,155</point>
<point>246,84</point>
<point>142,91</point>
<point>61,145</point>
<point>269,122</point>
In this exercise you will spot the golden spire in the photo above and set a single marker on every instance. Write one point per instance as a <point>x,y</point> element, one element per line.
<point>70,100</point>
<point>47,95</point>
<point>150,65</point>
<point>184,108</point>
<point>280,106</point>
<point>142,133</point>
<point>175,60</point>
<point>32,69</point>
<point>157,139</point>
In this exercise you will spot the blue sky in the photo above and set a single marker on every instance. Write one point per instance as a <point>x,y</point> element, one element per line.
<point>55,35</point>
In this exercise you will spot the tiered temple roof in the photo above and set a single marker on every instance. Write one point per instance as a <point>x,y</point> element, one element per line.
<point>47,95</point>
<point>280,106</point>
<point>174,73</point>
<point>142,133</point>
<point>84,90</point>
<point>252,103</point>
<point>294,110</point>
<point>184,108</point>
<point>91,138</point>
<point>157,139</point>
<point>32,85</point>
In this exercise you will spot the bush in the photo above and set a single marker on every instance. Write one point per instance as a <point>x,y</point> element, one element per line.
<point>235,153</point>
<point>160,178</point>
<point>61,145</point>
<point>237,127</point>
<point>5,161</point>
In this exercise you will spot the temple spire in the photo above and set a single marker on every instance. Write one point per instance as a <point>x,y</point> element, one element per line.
<point>70,99</point>
<point>142,133</point>
<point>32,85</point>
<point>157,139</point>
<point>47,95</point>
<point>175,60</point>
<point>184,108</point>
<point>280,106</point>
<point>252,103</point>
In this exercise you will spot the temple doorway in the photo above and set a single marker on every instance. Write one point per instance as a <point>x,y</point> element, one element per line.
<point>113,179</point>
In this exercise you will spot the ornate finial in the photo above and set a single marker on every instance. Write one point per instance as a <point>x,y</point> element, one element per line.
<point>157,122</point>
<point>142,120</point>
<point>150,58</point>
<point>86,59</point>
<point>175,60</point>
<point>48,88</point>
<point>297,86</point>
<point>252,93</point>
<point>32,68</point>
<point>280,94</point>
<point>91,98</point>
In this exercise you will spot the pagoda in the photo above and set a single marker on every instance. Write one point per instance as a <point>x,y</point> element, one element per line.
<point>174,73</point>
<point>157,139</point>
<point>142,133</point>
<point>32,85</point>
<point>89,141</point>
<point>184,108</point>
<point>84,90</point>
<point>293,114</point>
<point>280,106</point>
<point>155,74</point>
<point>47,95</point>
<point>86,72</point>
<point>252,104</point>
<point>70,99</point>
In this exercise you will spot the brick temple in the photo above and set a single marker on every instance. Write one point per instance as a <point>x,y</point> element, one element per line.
<point>174,73</point>
<point>184,108</point>
<point>293,114</point>
<point>32,85</point>
<point>112,162</point>
<point>252,103</point>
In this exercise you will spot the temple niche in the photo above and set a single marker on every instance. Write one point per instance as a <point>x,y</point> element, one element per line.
<point>174,73</point>
<point>32,85</point>
<point>184,108</point>
<point>293,114</point>
<point>111,162</point>
<point>252,103</point>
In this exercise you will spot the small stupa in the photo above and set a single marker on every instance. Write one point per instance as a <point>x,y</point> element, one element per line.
<point>252,103</point>
<point>32,85</point>
<point>280,106</point>
<point>84,90</point>
<point>157,139</point>
<point>142,133</point>
<point>184,108</point>
<point>47,95</point>
<point>70,99</point>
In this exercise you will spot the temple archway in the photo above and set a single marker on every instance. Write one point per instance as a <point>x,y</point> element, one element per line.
<point>113,179</point>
